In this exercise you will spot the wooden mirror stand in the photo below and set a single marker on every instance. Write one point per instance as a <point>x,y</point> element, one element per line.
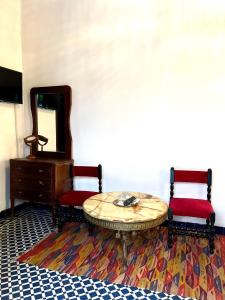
<point>57,99</point>
<point>44,175</point>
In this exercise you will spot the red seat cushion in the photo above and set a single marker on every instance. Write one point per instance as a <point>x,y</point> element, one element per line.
<point>191,207</point>
<point>75,198</point>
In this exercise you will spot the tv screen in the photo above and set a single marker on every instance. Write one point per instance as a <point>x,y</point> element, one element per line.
<point>10,86</point>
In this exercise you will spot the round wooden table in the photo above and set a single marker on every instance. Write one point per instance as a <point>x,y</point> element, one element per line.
<point>149,212</point>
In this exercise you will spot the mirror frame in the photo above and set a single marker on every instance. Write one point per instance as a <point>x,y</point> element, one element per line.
<point>66,91</point>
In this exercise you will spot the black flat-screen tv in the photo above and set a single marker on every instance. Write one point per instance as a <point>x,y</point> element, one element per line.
<point>10,86</point>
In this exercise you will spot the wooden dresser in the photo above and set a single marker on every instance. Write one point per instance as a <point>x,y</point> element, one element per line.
<point>39,180</point>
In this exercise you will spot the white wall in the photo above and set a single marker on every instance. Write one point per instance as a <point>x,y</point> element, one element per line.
<point>11,115</point>
<point>147,80</point>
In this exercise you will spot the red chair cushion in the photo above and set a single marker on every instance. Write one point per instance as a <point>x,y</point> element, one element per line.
<point>197,208</point>
<point>75,198</point>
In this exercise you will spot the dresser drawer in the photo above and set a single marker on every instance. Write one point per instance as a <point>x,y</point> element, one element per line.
<point>32,195</point>
<point>32,183</point>
<point>25,169</point>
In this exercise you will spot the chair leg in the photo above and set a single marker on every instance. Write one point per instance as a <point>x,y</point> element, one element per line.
<point>212,233</point>
<point>59,217</point>
<point>90,229</point>
<point>170,227</point>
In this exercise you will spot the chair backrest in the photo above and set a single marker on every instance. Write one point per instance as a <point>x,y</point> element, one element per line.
<point>188,176</point>
<point>89,171</point>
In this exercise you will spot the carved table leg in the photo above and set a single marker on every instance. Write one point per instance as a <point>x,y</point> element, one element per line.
<point>124,244</point>
<point>133,234</point>
<point>123,236</point>
<point>118,235</point>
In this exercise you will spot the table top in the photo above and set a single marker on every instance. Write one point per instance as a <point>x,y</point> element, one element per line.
<point>150,211</point>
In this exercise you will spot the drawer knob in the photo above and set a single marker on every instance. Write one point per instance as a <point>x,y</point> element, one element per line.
<point>20,192</point>
<point>40,170</point>
<point>41,182</point>
<point>40,195</point>
<point>19,180</point>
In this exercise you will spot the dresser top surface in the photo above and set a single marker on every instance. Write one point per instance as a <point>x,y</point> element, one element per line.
<point>42,160</point>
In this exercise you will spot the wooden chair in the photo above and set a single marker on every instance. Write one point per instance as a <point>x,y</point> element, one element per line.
<point>75,198</point>
<point>191,207</point>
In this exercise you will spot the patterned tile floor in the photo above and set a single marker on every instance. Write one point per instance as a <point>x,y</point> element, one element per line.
<point>23,281</point>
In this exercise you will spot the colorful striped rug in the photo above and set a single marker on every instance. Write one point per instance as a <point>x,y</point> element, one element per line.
<point>186,270</point>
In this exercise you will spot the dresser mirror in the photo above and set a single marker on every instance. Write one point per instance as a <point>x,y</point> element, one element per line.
<point>50,107</point>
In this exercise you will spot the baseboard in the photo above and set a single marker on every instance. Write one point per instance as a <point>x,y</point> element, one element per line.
<point>218,229</point>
